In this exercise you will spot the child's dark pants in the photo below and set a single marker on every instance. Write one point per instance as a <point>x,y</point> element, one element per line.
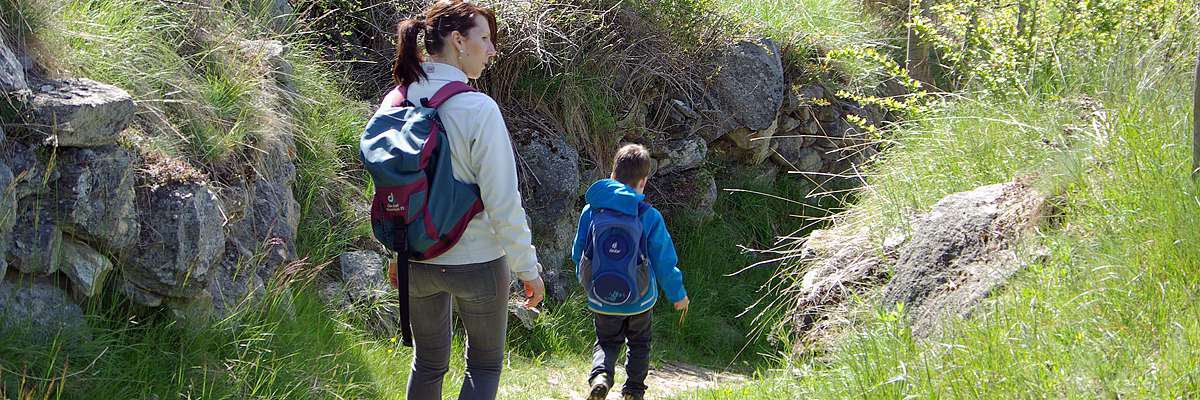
<point>612,331</point>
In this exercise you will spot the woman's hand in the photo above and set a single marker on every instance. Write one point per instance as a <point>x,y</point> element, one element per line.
<point>535,291</point>
<point>392,278</point>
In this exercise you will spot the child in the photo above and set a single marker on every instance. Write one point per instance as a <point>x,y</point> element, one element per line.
<point>623,289</point>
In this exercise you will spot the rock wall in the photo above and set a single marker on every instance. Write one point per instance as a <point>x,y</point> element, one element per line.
<point>84,209</point>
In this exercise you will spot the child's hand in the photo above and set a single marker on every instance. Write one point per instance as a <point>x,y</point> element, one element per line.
<point>682,304</point>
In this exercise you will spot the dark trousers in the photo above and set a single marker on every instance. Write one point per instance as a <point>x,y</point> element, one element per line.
<point>480,291</point>
<point>613,331</point>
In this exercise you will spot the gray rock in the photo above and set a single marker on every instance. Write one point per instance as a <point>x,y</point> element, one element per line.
<point>79,112</point>
<point>806,159</point>
<point>180,241</point>
<point>755,146</point>
<point>85,266</point>
<point>235,281</point>
<point>680,154</point>
<point>36,238</point>
<point>787,124</point>
<point>362,292</point>
<point>749,83</point>
<point>40,310</point>
<point>12,74</point>
<point>8,214</point>
<point>841,263</point>
<point>95,195</point>
<point>29,169</point>
<point>548,171</point>
<point>140,296</point>
<point>680,118</point>
<point>364,273</point>
<point>961,251</point>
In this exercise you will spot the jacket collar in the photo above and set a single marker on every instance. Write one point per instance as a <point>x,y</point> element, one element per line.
<point>443,72</point>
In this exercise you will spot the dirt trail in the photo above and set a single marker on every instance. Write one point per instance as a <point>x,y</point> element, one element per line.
<point>665,380</point>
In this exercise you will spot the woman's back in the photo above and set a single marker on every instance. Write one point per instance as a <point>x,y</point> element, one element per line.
<point>481,154</point>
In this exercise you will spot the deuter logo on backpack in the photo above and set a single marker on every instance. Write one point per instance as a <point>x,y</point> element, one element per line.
<point>619,274</point>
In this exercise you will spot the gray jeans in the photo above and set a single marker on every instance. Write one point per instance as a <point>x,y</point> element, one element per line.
<point>480,292</point>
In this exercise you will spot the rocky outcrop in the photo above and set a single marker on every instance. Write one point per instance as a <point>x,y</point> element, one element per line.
<point>961,251</point>
<point>951,259</point>
<point>81,203</point>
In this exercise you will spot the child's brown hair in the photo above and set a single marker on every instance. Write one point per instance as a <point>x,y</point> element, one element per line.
<point>631,164</point>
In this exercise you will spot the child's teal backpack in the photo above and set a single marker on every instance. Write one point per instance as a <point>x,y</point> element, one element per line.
<point>614,269</point>
<point>419,210</point>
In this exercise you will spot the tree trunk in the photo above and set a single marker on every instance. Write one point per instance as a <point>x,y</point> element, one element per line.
<point>1196,121</point>
<point>916,59</point>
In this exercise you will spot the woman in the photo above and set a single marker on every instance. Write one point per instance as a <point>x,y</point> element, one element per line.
<point>474,274</point>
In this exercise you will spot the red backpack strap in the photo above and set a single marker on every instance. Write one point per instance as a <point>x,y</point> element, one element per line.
<point>447,91</point>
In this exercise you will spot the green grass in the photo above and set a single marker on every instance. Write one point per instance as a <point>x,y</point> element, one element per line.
<point>294,347</point>
<point>1111,313</point>
<point>827,24</point>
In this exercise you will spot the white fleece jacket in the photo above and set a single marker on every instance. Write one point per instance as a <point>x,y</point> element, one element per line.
<point>482,154</point>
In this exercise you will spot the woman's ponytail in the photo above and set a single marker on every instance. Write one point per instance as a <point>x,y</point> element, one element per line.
<point>443,17</point>
<point>406,69</point>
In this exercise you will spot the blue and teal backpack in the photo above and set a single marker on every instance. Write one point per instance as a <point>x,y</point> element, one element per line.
<point>614,269</point>
<point>419,210</point>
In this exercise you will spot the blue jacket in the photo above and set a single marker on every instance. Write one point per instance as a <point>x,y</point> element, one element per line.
<point>614,195</point>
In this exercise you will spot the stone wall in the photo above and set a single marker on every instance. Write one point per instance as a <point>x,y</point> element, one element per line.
<point>84,209</point>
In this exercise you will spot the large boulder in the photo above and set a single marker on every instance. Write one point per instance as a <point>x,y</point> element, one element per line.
<point>548,170</point>
<point>78,112</point>
<point>36,238</point>
<point>95,195</point>
<point>180,241</point>
<point>12,74</point>
<point>38,309</point>
<point>84,266</point>
<point>748,89</point>
<point>962,250</point>
<point>361,290</point>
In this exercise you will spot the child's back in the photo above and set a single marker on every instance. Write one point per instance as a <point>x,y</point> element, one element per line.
<point>622,284</point>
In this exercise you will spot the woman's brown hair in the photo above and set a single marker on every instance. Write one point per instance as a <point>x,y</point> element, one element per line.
<point>437,22</point>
